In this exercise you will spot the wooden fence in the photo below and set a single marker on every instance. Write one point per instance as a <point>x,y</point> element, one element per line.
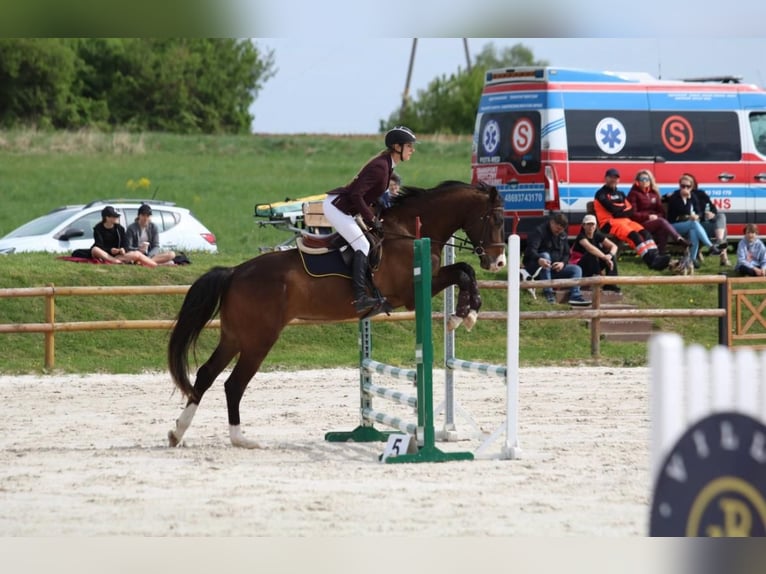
<point>740,309</point>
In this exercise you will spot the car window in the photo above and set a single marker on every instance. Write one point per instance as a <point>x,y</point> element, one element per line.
<point>41,225</point>
<point>165,220</point>
<point>87,222</point>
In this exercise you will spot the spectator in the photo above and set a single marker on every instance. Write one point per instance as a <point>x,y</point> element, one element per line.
<point>713,221</point>
<point>751,253</point>
<point>548,250</point>
<point>684,215</point>
<point>594,252</point>
<point>143,236</point>
<point>648,210</point>
<point>110,241</point>
<point>613,213</point>
<point>393,190</point>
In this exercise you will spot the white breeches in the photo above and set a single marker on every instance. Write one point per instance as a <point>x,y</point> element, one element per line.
<point>346,226</point>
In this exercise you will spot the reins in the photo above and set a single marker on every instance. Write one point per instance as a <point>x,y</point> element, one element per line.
<point>460,243</point>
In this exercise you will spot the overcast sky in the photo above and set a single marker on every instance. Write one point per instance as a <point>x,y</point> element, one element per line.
<point>339,85</point>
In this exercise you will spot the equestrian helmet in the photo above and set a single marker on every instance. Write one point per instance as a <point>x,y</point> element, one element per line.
<point>399,135</point>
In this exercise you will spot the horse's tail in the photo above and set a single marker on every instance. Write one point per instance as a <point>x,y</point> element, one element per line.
<point>201,304</point>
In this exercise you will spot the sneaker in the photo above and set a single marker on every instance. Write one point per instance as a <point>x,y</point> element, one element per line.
<point>714,250</point>
<point>683,242</point>
<point>579,301</point>
<point>612,288</point>
<point>550,297</point>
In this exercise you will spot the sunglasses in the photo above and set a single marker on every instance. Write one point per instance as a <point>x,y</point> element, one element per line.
<point>643,178</point>
<point>685,186</point>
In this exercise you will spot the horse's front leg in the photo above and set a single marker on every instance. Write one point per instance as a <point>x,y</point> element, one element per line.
<point>468,298</point>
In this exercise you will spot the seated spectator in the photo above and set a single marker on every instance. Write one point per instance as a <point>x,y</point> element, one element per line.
<point>751,253</point>
<point>143,235</point>
<point>613,212</point>
<point>684,215</point>
<point>548,251</point>
<point>393,190</point>
<point>594,252</point>
<point>648,210</point>
<point>713,221</point>
<point>110,242</point>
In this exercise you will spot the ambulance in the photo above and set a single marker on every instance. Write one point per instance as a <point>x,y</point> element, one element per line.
<point>545,136</point>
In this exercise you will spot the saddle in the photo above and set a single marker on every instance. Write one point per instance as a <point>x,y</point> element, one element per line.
<point>324,244</point>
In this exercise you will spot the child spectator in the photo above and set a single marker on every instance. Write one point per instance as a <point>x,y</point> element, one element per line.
<point>751,253</point>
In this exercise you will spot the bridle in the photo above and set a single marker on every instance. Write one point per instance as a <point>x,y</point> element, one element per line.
<point>479,249</point>
<point>466,244</point>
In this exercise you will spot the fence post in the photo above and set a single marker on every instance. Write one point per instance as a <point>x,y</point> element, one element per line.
<point>50,336</point>
<point>724,323</point>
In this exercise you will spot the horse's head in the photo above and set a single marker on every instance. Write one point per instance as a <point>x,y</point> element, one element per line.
<point>484,228</point>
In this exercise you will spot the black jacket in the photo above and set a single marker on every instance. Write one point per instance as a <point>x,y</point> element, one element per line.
<point>106,239</point>
<point>542,240</point>
<point>678,210</point>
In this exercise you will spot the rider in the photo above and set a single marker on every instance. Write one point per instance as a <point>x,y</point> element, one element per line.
<point>356,198</point>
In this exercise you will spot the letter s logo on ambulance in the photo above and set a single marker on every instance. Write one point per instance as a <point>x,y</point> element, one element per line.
<point>490,137</point>
<point>713,481</point>
<point>610,135</point>
<point>523,136</point>
<point>677,134</point>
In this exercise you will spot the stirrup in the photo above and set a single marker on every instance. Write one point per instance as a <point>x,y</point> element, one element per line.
<point>382,307</point>
<point>366,302</point>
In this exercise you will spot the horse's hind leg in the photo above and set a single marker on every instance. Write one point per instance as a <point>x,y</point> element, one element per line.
<point>235,386</point>
<point>206,375</point>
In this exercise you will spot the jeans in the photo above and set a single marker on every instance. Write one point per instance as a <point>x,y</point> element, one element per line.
<point>696,234</point>
<point>569,271</point>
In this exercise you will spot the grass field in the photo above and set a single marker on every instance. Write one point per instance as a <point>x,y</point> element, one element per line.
<point>221,178</point>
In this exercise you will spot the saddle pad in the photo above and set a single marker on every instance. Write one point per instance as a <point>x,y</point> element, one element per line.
<point>326,265</point>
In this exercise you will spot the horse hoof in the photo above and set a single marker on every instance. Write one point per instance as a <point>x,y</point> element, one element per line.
<point>246,443</point>
<point>173,439</point>
<point>454,322</point>
<point>470,320</point>
<point>239,440</point>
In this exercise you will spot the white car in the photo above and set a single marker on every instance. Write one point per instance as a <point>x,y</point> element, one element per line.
<point>71,227</point>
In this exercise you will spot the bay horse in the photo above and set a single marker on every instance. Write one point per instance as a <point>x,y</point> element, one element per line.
<point>259,297</point>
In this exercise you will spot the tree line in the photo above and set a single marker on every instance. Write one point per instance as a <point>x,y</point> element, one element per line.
<point>187,85</point>
<point>192,85</point>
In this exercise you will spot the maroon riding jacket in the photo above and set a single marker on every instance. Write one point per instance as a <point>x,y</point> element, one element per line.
<point>364,190</point>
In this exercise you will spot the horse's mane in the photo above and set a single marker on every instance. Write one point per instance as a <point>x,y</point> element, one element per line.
<point>408,193</point>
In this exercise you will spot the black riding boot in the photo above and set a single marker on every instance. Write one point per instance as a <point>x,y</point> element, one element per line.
<point>655,261</point>
<point>362,301</point>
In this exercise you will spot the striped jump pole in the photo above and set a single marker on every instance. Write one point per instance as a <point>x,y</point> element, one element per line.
<point>423,375</point>
<point>509,373</point>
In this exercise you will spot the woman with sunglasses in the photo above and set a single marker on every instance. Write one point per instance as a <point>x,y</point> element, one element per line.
<point>712,220</point>
<point>648,210</point>
<point>684,214</point>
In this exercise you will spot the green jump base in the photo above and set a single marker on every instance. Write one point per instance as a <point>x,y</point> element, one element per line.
<point>360,434</point>
<point>429,454</point>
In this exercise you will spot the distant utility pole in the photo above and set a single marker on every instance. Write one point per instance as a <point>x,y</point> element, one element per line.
<point>406,94</point>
